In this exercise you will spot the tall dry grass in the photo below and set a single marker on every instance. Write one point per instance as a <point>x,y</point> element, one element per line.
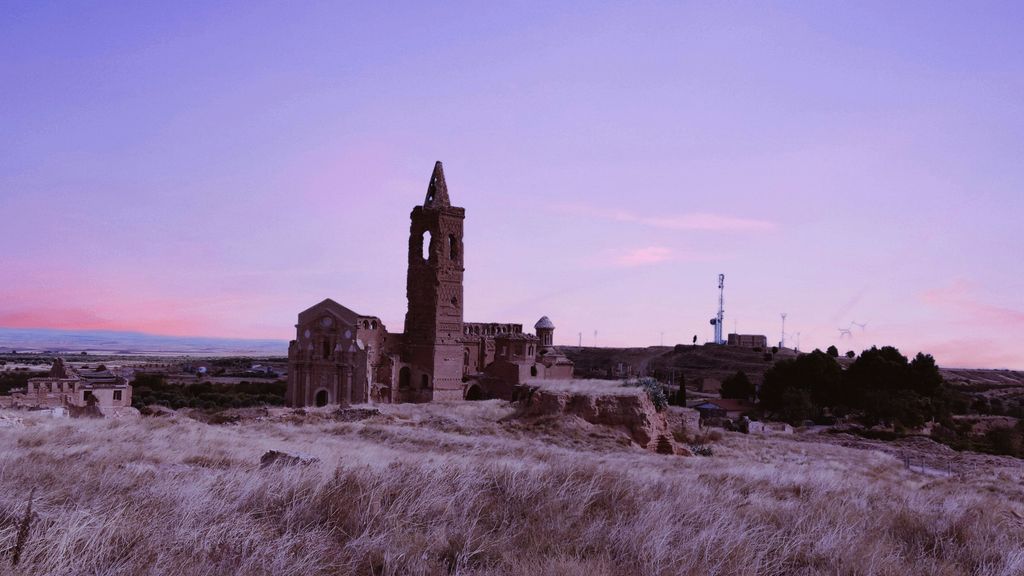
<point>454,490</point>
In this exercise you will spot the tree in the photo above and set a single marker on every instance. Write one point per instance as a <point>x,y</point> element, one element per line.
<point>891,390</point>
<point>833,351</point>
<point>879,368</point>
<point>797,407</point>
<point>851,354</point>
<point>924,374</point>
<point>738,386</point>
<point>681,395</point>
<point>1006,440</point>
<point>811,381</point>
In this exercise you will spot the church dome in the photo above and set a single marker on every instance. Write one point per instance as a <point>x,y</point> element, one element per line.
<point>544,323</point>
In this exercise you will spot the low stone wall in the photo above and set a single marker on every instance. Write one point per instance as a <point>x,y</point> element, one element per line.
<point>120,412</point>
<point>686,421</point>
<point>754,427</point>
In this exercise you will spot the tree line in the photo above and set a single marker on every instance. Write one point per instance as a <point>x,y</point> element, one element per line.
<point>880,387</point>
<point>153,389</point>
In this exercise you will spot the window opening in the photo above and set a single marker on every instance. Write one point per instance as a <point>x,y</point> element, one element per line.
<point>427,239</point>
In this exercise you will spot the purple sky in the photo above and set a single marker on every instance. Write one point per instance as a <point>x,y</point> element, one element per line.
<point>186,169</point>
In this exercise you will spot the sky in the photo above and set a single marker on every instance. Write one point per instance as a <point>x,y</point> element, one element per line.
<point>199,168</point>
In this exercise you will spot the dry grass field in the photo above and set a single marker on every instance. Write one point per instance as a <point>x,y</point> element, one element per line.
<point>464,489</point>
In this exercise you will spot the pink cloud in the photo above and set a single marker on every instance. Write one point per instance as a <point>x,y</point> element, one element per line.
<point>642,256</point>
<point>694,221</point>
<point>82,319</point>
<point>974,320</point>
<point>965,353</point>
<point>699,221</point>
<point>134,304</point>
<point>960,299</point>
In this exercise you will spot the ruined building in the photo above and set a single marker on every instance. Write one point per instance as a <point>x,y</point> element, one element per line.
<point>96,392</point>
<point>341,357</point>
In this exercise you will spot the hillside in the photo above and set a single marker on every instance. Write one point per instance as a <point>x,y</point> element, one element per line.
<point>717,362</point>
<point>472,489</point>
<point>990,382</point>
<point>696,362</point>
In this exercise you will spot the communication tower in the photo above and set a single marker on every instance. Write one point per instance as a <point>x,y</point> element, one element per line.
<point>720,317</point>
<point>782,342</point>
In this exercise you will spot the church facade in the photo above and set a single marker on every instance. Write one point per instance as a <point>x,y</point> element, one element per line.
<point>342,357</point>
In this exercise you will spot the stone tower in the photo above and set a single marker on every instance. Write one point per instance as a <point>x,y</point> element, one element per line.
<point>545,332</point>
<point>433,322</point>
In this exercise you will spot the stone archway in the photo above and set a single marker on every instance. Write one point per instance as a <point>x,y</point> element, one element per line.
<point>474,393</point>
<point>321,398</point>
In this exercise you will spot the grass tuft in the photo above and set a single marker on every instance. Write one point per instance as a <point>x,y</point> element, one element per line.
<point>24,529</point>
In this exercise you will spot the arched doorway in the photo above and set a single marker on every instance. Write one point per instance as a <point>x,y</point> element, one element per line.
<point>321,398</point>
<point>404,376</point>
<point>474,393</point>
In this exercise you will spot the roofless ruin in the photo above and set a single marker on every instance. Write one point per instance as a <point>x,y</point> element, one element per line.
<point>341,357</point>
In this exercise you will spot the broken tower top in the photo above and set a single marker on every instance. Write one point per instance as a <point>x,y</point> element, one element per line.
<point>58,370</point>
<point>437,192</point>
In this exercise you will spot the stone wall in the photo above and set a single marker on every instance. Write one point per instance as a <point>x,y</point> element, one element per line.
<point>685,421</point>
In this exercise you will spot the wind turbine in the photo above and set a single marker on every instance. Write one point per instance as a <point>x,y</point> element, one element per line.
<point>862,326</point>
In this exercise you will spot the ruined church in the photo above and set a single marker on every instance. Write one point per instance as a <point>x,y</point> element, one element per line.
<point>342,357</point>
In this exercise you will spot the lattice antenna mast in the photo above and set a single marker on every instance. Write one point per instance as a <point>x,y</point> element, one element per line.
<point>721,306</point>
<point>782,343</point>
<point>720,317</point>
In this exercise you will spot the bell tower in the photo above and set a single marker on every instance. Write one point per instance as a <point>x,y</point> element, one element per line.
<point>433,321</point>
